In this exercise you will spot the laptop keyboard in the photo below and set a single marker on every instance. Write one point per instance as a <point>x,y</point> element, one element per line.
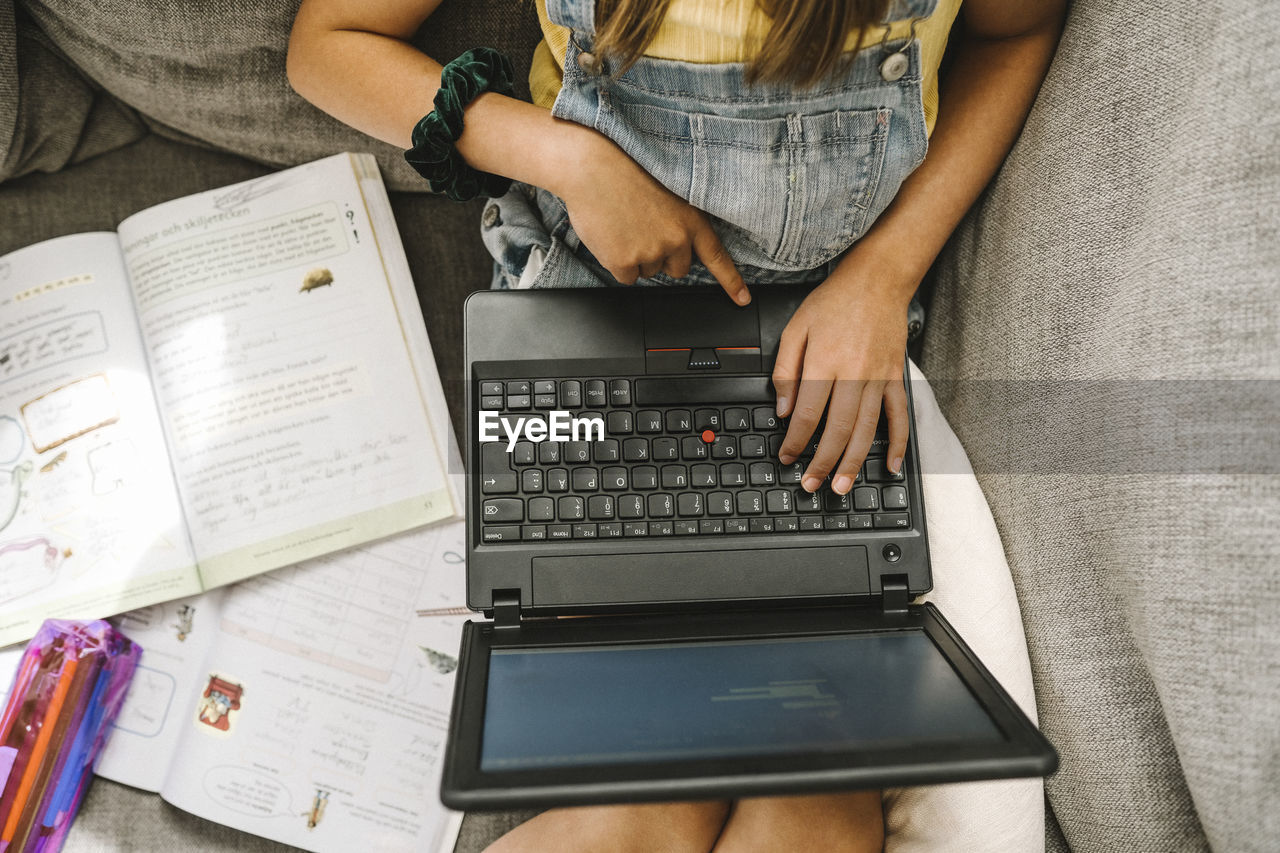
<point>671,463</point>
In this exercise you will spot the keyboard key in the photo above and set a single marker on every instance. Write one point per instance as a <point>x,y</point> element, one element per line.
<point>806,501</point>
<point>661,506</point>
<point>549,453</point>
<point>750,502</point>
<point>620,392</point>
<point>761,525</point>
<point>648,421</point>
<point>500,534</point>
<point>577,452</point>
<point>542,509</point>
<point>762,474</point>
<point>693,447</point>
<point>866,497</point>
<point>707,419</point>
<point>618,423</point>
<point>614,479</point>
<point>703,476</point>
<point>737,420</point>
<point>496,476</point>
<point>735,525</point>
<point>778,501</point>
<point>585,479</point>
<point>571,508</point>
<point>733,474</point>
<point>878,472</point>
<point>791,474</point>
<point>630,506</point>
<point>611,530</point>
<point>493,404</point>
<point>810,522</point>
<point>687,528</point>
<point>597,394</point>
<point>606,450</point>
<point>751,446</point>
<point>724,447</point>
<point>570,394</point>
<point>894,497</point>
<point>775,443</point>
<point>635,528</point>
<point>519,386</point>
<point>679,420</point>
<point>533,532</point>
<point>764,418</point>
<point>635,450</point>
<point>644,477</point>
<point>786,524</point>
<point>831,502</point>
<point>531,480</point>
<point>518,401</point>
<point>689,504</point>
<point>492,389</point>
<point>560,531</point>
<point>544,386</point>
<point>859,522</point>
<point>835,522</point>
<point>584,531</point>
<point>661,528</point>
<point>522,453</point>
<point>674,477</point>
<point>544,401</point>
<point>665,448</point>
<point>503,509</point>
<point>711,525</point>
<point>600,507</point>
<point>899,520</point>
<point>879,444</point>
<point>720,503</point>
<point>557,480</point>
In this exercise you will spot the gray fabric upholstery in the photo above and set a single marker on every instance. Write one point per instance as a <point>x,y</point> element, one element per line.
<point>1131,238</point>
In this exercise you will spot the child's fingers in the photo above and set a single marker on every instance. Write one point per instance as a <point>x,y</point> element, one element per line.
<point>842,415</point>
<point>860,440</point>
<point>716,259</point>
<point>895,409</point>
<point>786,374</point>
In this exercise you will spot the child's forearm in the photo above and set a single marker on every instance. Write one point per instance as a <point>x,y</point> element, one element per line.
<point>986,95</point>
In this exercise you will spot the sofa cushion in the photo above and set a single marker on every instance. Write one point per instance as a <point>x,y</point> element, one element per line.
<point>214,74</point>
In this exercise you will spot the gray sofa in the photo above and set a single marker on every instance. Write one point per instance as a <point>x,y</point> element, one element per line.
<point>1104,337</point>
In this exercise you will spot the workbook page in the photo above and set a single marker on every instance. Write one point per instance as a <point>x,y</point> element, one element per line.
<point>319,716</point>
<point>90,519</point>
<point>285,380</point>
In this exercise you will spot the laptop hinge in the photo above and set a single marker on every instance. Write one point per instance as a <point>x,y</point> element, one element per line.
<point>506,608</point>
<point>896,595</point>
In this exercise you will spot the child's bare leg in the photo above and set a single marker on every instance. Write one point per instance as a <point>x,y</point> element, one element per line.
<point>833,823</point>
<point>651,828</point>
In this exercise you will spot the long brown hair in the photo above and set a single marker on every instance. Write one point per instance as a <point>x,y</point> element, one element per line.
<point>804,43</point>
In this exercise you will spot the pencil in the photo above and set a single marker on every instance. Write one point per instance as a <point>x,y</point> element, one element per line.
<point>37,753</point>
<point>11,712</point>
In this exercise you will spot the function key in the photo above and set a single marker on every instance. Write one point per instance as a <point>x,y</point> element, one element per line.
<point>687,528</point>
<point>648,421</point>
<point>786,524</point>
<point>704,419</point>
<point>735,525</point>
<point>519,386</point>
<point>620,392</point>
<point>893,520</point>
<point>737,420</point>
<point>611,530</point>
<point>491,389</point>
<point>679,420</point>
<point>570,394</point>
<point>584,531</point>
<point>764,417</point>
<point>711,525</point>
<point>762,525</point>
<point>597,395</point>
<point>859,522</point>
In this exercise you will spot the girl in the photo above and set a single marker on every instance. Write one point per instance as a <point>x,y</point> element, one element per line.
<point>726,142</point>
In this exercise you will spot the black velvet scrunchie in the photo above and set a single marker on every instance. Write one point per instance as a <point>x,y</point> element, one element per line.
<point>481,69</point>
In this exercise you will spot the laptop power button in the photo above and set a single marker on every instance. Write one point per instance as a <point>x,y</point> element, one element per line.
<point>892,552</point>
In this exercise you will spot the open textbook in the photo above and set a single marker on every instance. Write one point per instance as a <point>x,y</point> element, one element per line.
<point>232,382</point>
<point>308,705</point>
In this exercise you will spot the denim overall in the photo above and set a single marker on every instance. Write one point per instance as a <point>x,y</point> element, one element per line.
<point>790,177</point>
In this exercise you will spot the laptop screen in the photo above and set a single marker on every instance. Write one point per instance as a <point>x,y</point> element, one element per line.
<point>651,702</point>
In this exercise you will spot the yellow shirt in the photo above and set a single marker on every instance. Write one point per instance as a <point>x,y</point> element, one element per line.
<point>716,31</point>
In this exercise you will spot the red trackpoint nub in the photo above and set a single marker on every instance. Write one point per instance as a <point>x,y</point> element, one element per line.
<point>708,436</point>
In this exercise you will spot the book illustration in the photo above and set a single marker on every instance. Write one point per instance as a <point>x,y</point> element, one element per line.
<point>150,699</point>
<point>186,617</point>
<point>47,468</point>
<point>12,440</point>
<point>53,342</point>
<point>318,277</point>
<point>439,661</point>
<point>220,699</point>
<point>316,813</point>
<point>70,411</point>
<point>27,565</point>
<point>109,463</point>
<point>11,480</point>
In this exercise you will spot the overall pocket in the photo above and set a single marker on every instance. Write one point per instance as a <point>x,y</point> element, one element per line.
<point>797,187</point>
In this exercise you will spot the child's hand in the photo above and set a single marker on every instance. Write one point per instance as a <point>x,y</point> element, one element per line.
<point>632,224</point>
<point>843,351</point>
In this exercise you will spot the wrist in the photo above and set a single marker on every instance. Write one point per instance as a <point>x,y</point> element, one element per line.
<point>883,276</point>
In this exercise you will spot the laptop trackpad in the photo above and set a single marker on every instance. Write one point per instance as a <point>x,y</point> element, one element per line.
<point>706,575</point>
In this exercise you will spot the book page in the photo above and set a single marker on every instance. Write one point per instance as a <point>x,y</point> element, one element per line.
<point>296,421</point>
<point>320,714</point>
<point>90,519</point>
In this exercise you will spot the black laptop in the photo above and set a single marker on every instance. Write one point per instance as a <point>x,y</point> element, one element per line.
<point>742,637</point>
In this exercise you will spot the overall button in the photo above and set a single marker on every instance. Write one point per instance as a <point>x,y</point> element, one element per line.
<point>894,66</point>
<point>591,63</point>
<point>492,216</point>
